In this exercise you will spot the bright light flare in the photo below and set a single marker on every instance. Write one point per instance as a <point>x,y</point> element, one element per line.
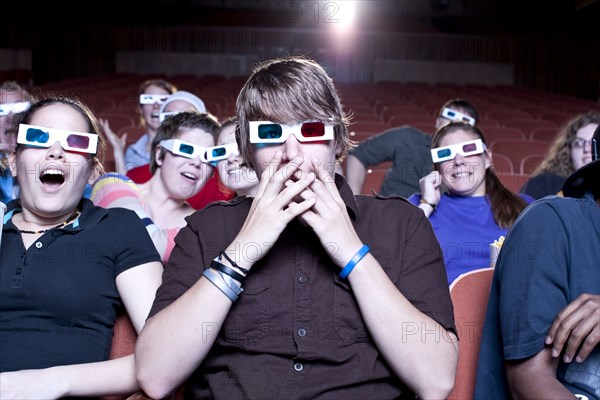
<point>346,14</point>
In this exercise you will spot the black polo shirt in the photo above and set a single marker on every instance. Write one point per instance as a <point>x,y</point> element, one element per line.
<point>58,299</point>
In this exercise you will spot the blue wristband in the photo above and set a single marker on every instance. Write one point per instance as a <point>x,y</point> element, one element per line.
<point>352,263</point>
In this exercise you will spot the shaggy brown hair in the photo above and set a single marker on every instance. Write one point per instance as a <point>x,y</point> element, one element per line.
<point>289,90</point>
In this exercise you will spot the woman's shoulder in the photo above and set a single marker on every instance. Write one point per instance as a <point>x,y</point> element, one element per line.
<point>547,177</point>
<point>112,185</point>
<point>220,210</point>
<point>112,178</point>
<point>113,221</point>
<point>388,205</point>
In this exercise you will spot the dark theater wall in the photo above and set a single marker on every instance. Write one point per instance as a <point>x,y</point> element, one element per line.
<point>562,58</point>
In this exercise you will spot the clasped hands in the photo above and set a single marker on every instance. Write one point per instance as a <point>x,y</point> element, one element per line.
<point>287,191</point>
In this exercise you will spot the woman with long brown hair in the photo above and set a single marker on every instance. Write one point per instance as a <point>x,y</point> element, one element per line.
<point>464,200</point>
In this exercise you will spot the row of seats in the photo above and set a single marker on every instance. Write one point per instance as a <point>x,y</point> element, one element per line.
<point>518,123</point>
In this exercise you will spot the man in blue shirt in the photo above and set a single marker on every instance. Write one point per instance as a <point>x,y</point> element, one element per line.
<point>542,329</point>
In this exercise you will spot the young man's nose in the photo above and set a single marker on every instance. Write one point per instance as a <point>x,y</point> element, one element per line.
<point>291,147</point>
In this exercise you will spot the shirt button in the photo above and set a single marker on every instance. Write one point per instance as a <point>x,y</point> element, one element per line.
<point>301,332</point>
<point>19,271</point>
<point>38,245</point>
<point>298,367</point>
<point>302,279</point>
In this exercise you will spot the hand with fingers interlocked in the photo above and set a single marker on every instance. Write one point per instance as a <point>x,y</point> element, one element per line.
<point>276,204</point>
<point>329,217</point>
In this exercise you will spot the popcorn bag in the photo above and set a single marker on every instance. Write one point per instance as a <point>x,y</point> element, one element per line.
<point>495,250</point>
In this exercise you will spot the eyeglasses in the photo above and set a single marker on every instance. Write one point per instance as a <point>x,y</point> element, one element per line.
<point>579,143</point>
<point>153,98</point>
<point>164,115</point>
<point>45,137</point>
<point>14,108</point>
<point>222,152</point>
<point>456,116</point>
<point>441,154</point>
<point>271,132</point>
<point>184,149</point>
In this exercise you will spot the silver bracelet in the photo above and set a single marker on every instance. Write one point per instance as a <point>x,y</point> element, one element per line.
<point>231,282</point>
<point>220,284</point>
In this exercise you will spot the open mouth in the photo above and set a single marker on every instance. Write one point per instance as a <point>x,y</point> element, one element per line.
<point>189,176</point>
<point>52,177</point>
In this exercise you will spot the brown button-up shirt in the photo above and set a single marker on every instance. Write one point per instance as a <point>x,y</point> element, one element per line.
<point>296,331</point>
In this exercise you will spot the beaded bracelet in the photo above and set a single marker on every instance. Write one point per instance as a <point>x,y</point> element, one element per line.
<point>354,260</point>
<point>221,285</point>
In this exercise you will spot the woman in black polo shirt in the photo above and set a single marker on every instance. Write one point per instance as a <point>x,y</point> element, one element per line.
<point>66,266</point>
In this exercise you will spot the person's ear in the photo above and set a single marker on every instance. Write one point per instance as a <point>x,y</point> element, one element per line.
<point>488,159</point>
<point>96,172</point>
<point>338,150</point>
<point>441,122</point>
<point>159,156</point>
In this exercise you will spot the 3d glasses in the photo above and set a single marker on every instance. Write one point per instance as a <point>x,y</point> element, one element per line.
<point>441,154</point>
<point>271,132</point>
<point>164,115</point>
<point>184,149</point>
<point>456,116</point>
<point>45,137</point>
<point>153,98</point>
<point>222,152</point>
<point>14,108</point>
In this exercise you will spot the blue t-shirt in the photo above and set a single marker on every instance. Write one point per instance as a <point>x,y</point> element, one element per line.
<point>465,227</point>
<point>550,257</point>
